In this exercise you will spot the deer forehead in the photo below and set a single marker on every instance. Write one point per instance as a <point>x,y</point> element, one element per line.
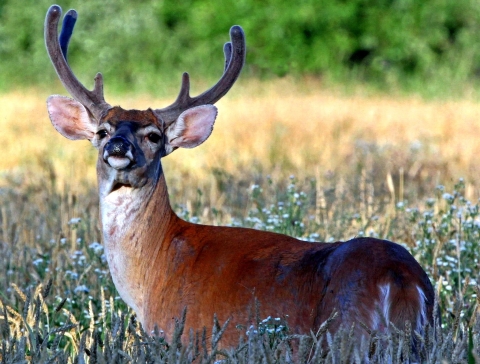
<point>142,118</point>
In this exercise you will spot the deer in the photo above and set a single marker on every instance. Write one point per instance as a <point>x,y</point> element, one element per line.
<point>161,264</point>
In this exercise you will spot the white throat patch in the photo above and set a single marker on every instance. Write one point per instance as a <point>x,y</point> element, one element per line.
<point>119,210</point>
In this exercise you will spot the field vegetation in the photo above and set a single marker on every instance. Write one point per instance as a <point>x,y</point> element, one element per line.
<point>317,165</point>
<point>351,118</point>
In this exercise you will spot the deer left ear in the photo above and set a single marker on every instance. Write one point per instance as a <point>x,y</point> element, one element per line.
<point>191,128</point>
<point>70,118</point>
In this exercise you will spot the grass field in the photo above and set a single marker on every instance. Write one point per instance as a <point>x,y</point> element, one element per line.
<point>403,169</point>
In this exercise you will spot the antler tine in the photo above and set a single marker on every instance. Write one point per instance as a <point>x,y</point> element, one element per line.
<point>227,50</point>
<point>92,100</point>
<point>234,60</point>
<point>68,24</point>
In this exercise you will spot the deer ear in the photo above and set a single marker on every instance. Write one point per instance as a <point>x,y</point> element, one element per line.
<point>70,118</point>
<point>191,128</point>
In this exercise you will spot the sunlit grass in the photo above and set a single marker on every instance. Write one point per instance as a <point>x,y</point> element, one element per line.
<point>282,131</point>
<point>315,165</point>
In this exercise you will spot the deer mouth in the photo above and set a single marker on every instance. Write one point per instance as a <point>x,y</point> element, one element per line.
<point>120,163</point>
<point>124,181</point>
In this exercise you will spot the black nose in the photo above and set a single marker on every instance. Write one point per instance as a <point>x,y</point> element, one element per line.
<point>118,147</point>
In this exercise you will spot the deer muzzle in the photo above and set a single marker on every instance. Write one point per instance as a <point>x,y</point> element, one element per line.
<point>118,153</point>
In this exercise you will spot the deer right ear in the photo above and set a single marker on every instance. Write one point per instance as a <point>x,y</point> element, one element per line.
<point>191,128</point>
<point>70,118</point>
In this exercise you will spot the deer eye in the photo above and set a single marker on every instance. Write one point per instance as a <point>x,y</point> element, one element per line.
<point>154,137</point>
<point>102,133</point>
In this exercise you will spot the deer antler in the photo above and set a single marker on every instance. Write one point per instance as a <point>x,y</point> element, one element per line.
<point>93,100</point>
<point>234,60</point>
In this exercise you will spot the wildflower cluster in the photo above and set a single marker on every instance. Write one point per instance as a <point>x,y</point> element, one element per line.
<point>447,235</point>
<point>286,215</point>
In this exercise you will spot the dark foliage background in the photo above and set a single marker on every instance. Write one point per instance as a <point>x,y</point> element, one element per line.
<point>390,44</point>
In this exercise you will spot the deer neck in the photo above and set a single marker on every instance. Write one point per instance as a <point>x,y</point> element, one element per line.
<point>135,224</point>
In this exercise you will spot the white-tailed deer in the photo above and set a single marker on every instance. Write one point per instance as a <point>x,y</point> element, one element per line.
<point>161,264</point>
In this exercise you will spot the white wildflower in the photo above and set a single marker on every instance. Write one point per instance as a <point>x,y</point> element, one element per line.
<point>81,288</point>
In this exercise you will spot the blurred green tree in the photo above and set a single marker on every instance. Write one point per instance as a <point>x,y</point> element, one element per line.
<point>143,45</point>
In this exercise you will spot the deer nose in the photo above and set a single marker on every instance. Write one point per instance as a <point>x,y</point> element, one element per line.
<point>118,152</point>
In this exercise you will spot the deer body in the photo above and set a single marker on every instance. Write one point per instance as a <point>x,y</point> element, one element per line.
<point>161,264</point>
<point>222,270</point>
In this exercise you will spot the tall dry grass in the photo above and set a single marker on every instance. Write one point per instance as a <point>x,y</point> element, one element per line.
<point>277,130</point>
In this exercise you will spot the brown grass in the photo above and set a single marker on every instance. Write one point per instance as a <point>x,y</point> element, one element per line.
<point>278,131</point>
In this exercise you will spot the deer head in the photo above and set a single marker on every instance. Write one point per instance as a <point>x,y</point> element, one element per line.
<point>131,141</point>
